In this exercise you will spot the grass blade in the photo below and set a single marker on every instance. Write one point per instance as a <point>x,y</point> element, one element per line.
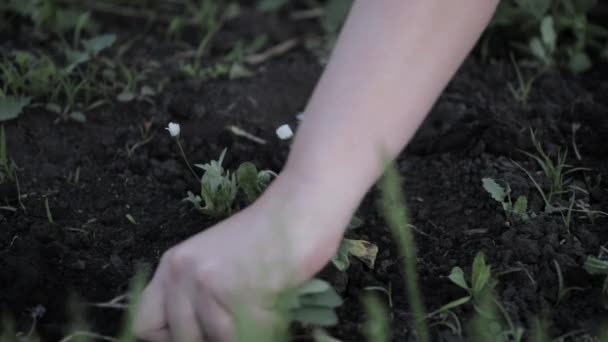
<point>397,217</point>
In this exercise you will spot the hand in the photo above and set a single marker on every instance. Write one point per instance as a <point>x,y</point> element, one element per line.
<point>242,263</point>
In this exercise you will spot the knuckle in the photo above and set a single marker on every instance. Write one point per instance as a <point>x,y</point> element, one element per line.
<point>177,261</point>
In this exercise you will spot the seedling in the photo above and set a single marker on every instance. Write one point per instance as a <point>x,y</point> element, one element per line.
<point>218,189</point>
<point>479,292</point>
<point>312,304</point>
<point>503,196</point>
<point>251,181</point>
<point>361,249</point>
<point>524,87</point>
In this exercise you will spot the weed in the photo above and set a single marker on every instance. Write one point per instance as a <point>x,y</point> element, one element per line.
<point>524,87</point>
<point>503,196</point>
<point>556,32</point>
<point>395,212</point>
<point>361,249</point>
<point>377,328</point>
<point>218,190</point>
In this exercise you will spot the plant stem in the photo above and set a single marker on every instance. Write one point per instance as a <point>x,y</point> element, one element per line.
<point>181,149</point>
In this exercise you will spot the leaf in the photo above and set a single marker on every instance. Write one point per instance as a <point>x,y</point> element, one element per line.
<point>335,14</point>
<point>341,259</point>
<point>580,62</point>
<point>363,250</point>
<point>247,177</point>
<point>481,273</point>
<point>147,91</point>
<point>538,50</point>
<point>355,223</point>
<point>11,107</point>
<point>547,30</point>
<point>535,8</point>
<point>520,208</point>
<point>271,5</point>
<point>315,316</point>
<point>78,116</point>
<point>238,71</point>
<point>457,277</point>
<point>125,96</point>
<point>451,305</point>
<point>327,299</point>
<point>313,286</point>
<point>53,107</point>
<point>497,192</point>
<point>595,265</point>
<point>75,58</point>
<point>97,44</point>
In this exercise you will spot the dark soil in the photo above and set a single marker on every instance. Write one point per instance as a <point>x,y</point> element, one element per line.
<point>91,250</point>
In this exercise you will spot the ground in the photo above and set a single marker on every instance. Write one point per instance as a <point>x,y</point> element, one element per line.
<point>476,130</point>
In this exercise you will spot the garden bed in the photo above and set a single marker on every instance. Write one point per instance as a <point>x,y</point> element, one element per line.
<point>112,208</point>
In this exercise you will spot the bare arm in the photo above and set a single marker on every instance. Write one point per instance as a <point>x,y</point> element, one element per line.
<point>393,59</point>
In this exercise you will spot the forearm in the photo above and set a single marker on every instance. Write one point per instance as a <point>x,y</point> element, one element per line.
<point>393,59</point>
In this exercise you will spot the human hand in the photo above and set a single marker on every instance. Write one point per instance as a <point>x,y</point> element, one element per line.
<point>242,263</point>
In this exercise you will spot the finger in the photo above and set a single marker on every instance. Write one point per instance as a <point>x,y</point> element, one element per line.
<point>215,320</point>
<point>150,321</point>
<point>182,317</point>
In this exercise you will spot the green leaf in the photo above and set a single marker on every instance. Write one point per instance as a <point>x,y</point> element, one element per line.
<point>457,277</point>
<point>75,58</point>
<point>78,117</point>
<point>125,96</point>
<point>341,259</point>
<point>247,177</point>
<point>314,286</point>
<point>11,107</point>
<point>363,250</point>
<point>327,299</point>
<point>97,44</point>
<point>595,265</point>
<point>549,37</point>
<point>497,192</point>
<point>335,14</point>
<point>538,50</point>
<point>520,208</point>
<point>451,305</point>
<point>481,273</point>
<point>580,62</point>
<point>355,223</point>
<point>315,316</point>
<point>377,327</point>
<point>147,91</point>
<point>535,8</point>
<point>271,5</point>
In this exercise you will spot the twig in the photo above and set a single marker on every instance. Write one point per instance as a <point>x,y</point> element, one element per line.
<point>115,303</point>
<point>242,133</point>
<point>271,52</point>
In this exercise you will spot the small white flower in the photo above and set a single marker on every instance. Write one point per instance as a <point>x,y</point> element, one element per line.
<point>284,132</point>
<point>173,129</point>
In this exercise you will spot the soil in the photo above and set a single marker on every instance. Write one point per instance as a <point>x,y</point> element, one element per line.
<point>90,251</point>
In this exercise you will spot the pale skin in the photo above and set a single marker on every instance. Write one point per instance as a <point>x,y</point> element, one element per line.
<point>392,61</point>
